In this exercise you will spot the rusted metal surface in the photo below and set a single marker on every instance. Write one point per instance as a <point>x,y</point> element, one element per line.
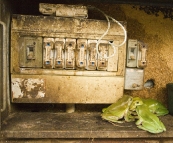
<point>64,27</point>
<point>90,140</point>
<point>67,89</point>
<point>28,88</point>
<point>75,125</point>
<point>63,10</point>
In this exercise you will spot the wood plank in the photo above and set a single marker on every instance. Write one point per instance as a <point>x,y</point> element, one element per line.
<point>74,125</point>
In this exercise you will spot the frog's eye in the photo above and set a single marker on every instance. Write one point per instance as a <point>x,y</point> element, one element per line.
<point>137,102</point>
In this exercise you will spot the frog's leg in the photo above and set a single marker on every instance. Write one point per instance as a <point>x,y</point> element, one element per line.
<point>129,117</point>
<point>152,128</point>
<point>138,122</point>
<point>162,126</point>
<point>116,121</point>
<point>113,119</point>
<point>161,111</point>
<point>104,109</point>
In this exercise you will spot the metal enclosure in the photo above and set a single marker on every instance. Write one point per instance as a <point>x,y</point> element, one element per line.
<point>42,72</point>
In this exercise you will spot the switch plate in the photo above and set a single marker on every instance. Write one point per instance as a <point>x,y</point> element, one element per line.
<point>134,79</point>
<point>30,51</point>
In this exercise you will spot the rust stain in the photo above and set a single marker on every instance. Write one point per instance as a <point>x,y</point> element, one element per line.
<point>28,88</point>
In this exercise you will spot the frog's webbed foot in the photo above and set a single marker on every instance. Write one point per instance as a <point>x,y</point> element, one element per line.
<point>114,123</point>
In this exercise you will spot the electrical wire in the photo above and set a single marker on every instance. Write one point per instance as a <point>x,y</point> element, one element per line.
<point>105,33</point>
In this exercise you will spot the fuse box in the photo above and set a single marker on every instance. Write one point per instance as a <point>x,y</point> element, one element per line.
<point>55,60</point>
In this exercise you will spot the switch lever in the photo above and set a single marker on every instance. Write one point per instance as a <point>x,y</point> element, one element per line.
<point>59,53</point>
<point>30,52</point>
<point>48,53</point>
<point>92,55</point>
<point>70,46</point>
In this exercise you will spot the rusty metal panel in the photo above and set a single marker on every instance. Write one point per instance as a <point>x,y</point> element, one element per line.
<point>66,89</point>
<point>64,10</point>
<point>28,88</point>
<point>65,27</point>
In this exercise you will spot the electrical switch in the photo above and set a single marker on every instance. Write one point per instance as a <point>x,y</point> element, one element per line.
<point>103,50</point>
<point>30,52</point>
<point>59,53</point>
<point>70,46</point>
<point>81,53</point>
<point>132,53</point>
<point>141,63</point>
<point>92,55</point>
<point>48,52</point>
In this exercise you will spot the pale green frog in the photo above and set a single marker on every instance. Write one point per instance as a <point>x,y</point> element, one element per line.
<point>154,106</point>
<point>148,121</point>
<point>118,110</point>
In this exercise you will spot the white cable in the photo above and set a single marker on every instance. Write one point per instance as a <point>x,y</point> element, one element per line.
<point>112,44</point>
<point>125,33</point>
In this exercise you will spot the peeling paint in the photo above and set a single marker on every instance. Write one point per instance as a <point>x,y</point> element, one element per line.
<point>28,88</point>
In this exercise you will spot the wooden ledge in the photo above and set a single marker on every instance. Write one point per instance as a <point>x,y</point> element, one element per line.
<point>74,125</point>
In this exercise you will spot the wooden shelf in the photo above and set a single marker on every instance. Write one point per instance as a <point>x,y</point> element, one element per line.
<point>76,125</point>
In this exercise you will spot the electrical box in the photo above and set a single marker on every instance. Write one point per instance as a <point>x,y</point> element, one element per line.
<point>55,60</point>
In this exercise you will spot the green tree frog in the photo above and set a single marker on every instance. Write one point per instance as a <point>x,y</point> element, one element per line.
<point>148,121</point>
<point>154,106</point>
<point>136,101</point>
<point>118,110</point>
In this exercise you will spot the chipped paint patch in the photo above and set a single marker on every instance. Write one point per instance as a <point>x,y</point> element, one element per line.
<point>28,88</point>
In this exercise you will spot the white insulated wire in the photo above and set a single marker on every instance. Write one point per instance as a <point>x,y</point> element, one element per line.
<point>112,44</point>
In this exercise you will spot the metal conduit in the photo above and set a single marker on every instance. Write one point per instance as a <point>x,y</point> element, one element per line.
<point>4,51</point>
